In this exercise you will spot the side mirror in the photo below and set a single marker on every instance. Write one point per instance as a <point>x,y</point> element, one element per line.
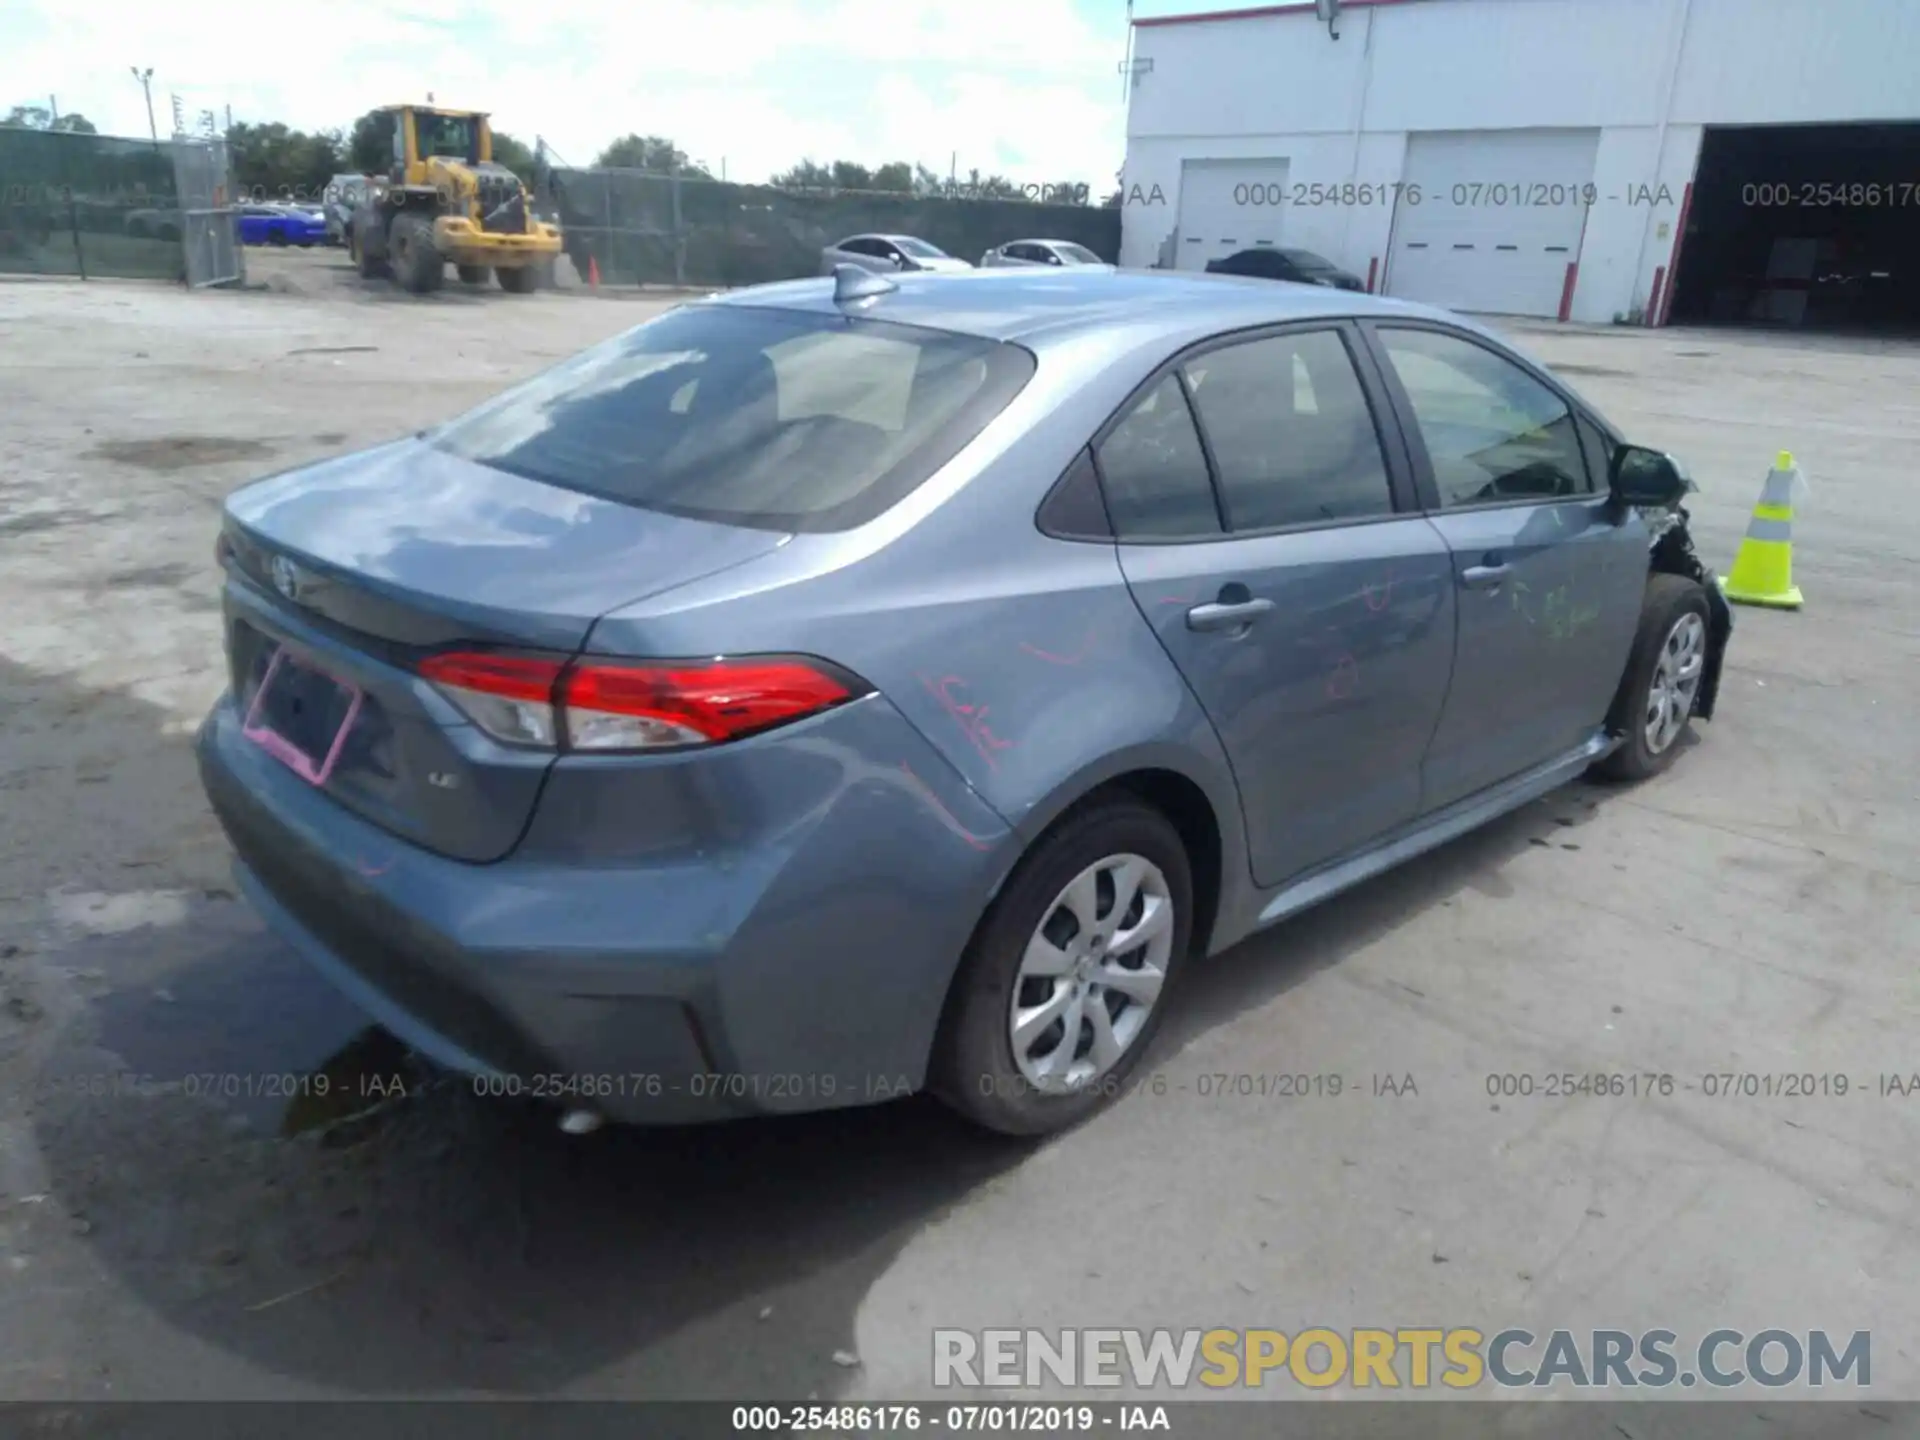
<point>1639,476</point>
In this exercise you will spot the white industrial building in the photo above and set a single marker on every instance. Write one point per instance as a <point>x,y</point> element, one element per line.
<point>1594,160</point>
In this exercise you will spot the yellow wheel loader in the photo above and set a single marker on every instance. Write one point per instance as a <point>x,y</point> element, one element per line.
<point>445,202</point>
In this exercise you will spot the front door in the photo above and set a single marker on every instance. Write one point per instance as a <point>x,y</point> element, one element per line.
<point>1548,573</point>
<point>1279,560</point>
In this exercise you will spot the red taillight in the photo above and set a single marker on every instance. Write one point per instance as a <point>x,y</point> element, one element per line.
<point>509,697</point>
<point>506,676</point>
<point>601,705</point>
<point>623,707</point>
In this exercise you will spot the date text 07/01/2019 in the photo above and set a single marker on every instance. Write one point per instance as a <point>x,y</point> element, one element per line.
<point>1464,194</point>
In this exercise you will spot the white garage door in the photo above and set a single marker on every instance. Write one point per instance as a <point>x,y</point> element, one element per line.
<point>1499,219</point>
<point>1228,205</point>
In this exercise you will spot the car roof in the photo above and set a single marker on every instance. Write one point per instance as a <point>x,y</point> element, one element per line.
<point>1021,305</point>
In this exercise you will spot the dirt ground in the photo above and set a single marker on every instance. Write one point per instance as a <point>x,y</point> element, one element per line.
<point>171,1228</point>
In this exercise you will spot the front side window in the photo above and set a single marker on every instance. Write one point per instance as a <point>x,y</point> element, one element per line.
<point>1599,451</point>
<point>1292,435</point>
<point>450,136</point>
<point>773,419</point>
<point>1493,433</point>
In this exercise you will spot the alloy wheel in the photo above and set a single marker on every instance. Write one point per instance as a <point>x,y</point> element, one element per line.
<point>1676,680</point>
<point>1091,973</point>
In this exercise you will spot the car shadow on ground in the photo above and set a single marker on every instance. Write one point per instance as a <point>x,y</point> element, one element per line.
<point>445,1241</point>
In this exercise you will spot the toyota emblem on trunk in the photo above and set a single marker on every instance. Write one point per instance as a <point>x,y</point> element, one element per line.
<point>286,579</point>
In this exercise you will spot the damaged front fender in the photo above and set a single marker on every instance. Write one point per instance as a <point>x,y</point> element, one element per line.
<point>1674,554</point>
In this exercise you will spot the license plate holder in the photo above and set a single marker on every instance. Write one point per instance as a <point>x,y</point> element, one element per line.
<point>316,708</point>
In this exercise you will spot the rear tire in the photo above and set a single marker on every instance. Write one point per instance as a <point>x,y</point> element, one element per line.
<point>417,262</point>
<point>370,266</point>
<point>517,279</point>
<point>1035,956</point>
<point>1653,709</point>
<point>472,274</point>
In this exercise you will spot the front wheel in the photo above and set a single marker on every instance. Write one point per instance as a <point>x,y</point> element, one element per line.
<point>1654,706</point>
<point>1066,980</point>
<point>417,262</point>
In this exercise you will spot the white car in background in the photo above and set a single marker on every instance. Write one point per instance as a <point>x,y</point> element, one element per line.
<point>1017,253</point>
<point>343,192</point>
<point>888,254</point>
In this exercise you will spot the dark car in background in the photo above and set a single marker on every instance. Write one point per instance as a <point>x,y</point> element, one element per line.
<point>1303,267</point>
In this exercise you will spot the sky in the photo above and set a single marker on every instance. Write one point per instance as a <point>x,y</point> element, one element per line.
<point>1027,88</point>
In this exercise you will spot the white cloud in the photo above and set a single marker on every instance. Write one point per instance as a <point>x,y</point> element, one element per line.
<point>1023,86</point>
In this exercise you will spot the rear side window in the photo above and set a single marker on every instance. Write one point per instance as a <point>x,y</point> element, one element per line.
<point>1155,473</point>
<point>774,419</point>
<point>1290,430</point>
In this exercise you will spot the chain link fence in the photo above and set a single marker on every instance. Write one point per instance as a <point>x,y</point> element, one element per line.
<point>642,228</point>
<point>209,239</point>
<point>100,205</point>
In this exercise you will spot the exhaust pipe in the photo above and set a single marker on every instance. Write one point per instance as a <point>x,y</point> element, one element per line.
<point>581,1122</point>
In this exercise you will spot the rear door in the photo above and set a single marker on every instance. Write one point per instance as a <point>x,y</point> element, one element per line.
<point>1272,541</point>
<point>1549,576</point>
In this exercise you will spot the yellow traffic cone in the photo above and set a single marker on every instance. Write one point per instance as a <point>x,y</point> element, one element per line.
<point>1762,571</point>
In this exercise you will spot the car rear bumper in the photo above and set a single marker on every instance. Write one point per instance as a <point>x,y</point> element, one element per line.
<point>804,969</point>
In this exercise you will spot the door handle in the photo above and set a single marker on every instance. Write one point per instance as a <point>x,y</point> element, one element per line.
<point>1484,577</point>
<point>1227,615</point>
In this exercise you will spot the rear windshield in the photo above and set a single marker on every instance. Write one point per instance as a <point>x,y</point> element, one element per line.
<point>775,419</point>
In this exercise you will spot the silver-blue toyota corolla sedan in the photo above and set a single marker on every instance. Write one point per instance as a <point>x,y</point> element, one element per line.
<point>857,685</point>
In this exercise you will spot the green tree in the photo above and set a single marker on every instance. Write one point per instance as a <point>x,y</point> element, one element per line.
<point>283,163</point>
<point>39,117</point>
<point>807,175</point>
<point>370,143</point>
<point>990,187</point>
<point>649,152</point>
<point>513,154</point>
<point>897,175</point>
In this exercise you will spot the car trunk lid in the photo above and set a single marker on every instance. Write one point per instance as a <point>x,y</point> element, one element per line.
<point>361,567</point>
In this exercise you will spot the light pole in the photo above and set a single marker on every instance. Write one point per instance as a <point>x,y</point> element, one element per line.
<point>145,77</point>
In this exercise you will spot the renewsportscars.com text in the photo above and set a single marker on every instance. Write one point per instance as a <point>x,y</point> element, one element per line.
<point>1457,1358</point>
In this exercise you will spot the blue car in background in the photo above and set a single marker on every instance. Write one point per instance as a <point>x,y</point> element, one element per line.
<point>281,225</point>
